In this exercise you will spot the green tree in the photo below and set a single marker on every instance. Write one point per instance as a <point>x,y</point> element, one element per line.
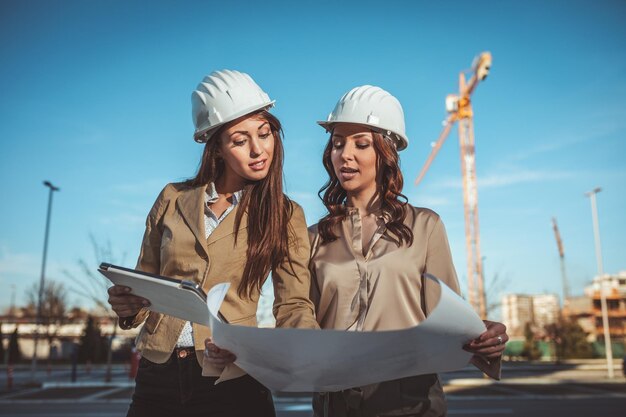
<point>53,302</point>
<point>530,350</point>
<point>493,290</point>
<point>14,348</point>
<point>92,346</point>
<point>94,285</point>
<point>570,340</point>
<point>53,307</point>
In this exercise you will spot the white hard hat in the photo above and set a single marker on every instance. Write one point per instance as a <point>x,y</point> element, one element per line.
<point>223,96</point>
<point>373,107</point>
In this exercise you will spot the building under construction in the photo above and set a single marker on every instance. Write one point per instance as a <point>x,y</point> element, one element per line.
<point>615,292</point>
<point>539,310</point>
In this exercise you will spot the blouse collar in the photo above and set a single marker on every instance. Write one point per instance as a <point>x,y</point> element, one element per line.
<point>211,195</point>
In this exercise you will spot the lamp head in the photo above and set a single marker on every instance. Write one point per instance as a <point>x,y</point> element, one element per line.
<point>49,185</point>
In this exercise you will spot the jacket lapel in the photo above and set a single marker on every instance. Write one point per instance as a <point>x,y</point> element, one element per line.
<point>191,206</point>
<point>227,226</point>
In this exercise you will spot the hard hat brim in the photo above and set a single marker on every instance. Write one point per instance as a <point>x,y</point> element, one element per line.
<point>401,141</point>
<point>198,135</point>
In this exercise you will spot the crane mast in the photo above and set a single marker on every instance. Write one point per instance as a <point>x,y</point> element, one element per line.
<point>559,244</point>
<point>459,109</point>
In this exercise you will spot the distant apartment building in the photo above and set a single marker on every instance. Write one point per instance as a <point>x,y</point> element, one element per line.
<point>520,309</point>
<point>615,293</point>
<point>545,309</point>
<point>517,310</point>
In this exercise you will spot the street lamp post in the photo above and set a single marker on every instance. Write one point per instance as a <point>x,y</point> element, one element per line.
<point>52,189</point>
<point>482,277</point>
<point>605,317</point>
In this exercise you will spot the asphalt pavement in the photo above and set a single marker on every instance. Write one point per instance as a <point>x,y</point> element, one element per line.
<point>571,389</point>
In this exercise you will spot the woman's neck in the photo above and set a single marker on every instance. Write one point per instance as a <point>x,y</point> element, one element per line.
<point>367,202</point>
<point>229,184</point>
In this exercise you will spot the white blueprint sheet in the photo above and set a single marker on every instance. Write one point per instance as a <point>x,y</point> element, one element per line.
<point>304,360</point>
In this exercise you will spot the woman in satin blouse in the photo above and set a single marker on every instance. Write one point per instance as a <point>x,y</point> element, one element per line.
<point>370,252</point>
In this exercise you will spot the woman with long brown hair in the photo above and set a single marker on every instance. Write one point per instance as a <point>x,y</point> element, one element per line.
<point>370,252</point>
<point>230,223</point>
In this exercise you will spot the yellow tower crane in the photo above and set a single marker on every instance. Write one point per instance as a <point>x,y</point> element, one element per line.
<point>559,244</point>
<point>459,110</point>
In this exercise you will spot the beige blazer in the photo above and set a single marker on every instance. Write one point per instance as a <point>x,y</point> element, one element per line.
<point>174,245</point>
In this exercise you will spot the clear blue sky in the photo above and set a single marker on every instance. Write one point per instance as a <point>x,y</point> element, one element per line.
<point>95,97</point>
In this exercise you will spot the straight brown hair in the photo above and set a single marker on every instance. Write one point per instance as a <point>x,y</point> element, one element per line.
<point>269,209</point>
<point>389,189</point>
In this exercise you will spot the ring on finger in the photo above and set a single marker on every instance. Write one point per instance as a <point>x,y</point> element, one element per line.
<point>500,341</point>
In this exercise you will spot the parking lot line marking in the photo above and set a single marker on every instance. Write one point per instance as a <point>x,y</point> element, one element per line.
<point>294,407</point>
<point>101,394</point>
<point>18,393</point>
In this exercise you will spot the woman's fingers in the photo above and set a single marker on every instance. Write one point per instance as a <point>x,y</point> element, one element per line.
<point>490,351</point>
<point>118,290</point>
<point>208,343</point>
<point>123,303</point>
<point>217,356</point>
<point>127,310</point>
<point>499,340</point>
<point>220,361</point>
<point>491,343</point>
<point>494,329</point>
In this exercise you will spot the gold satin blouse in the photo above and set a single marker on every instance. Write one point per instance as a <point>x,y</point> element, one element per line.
<point>381,290</point>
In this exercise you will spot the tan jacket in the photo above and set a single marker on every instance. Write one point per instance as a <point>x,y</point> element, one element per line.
<point>174,245</point>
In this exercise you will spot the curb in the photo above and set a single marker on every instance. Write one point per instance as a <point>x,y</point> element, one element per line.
<point>474,382</point>
<point>121,384</point>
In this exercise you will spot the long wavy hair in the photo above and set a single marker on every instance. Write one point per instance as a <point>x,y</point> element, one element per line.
<point>269,209</point>
<point>389,188</point>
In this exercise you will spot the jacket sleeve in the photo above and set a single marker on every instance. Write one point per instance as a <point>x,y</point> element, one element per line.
<point>292,280</point>
<point>439,263</point>
<point>149,255</point>
<point>314,292</point>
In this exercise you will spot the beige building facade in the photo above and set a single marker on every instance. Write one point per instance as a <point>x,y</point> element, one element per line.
<point>520,309</point>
